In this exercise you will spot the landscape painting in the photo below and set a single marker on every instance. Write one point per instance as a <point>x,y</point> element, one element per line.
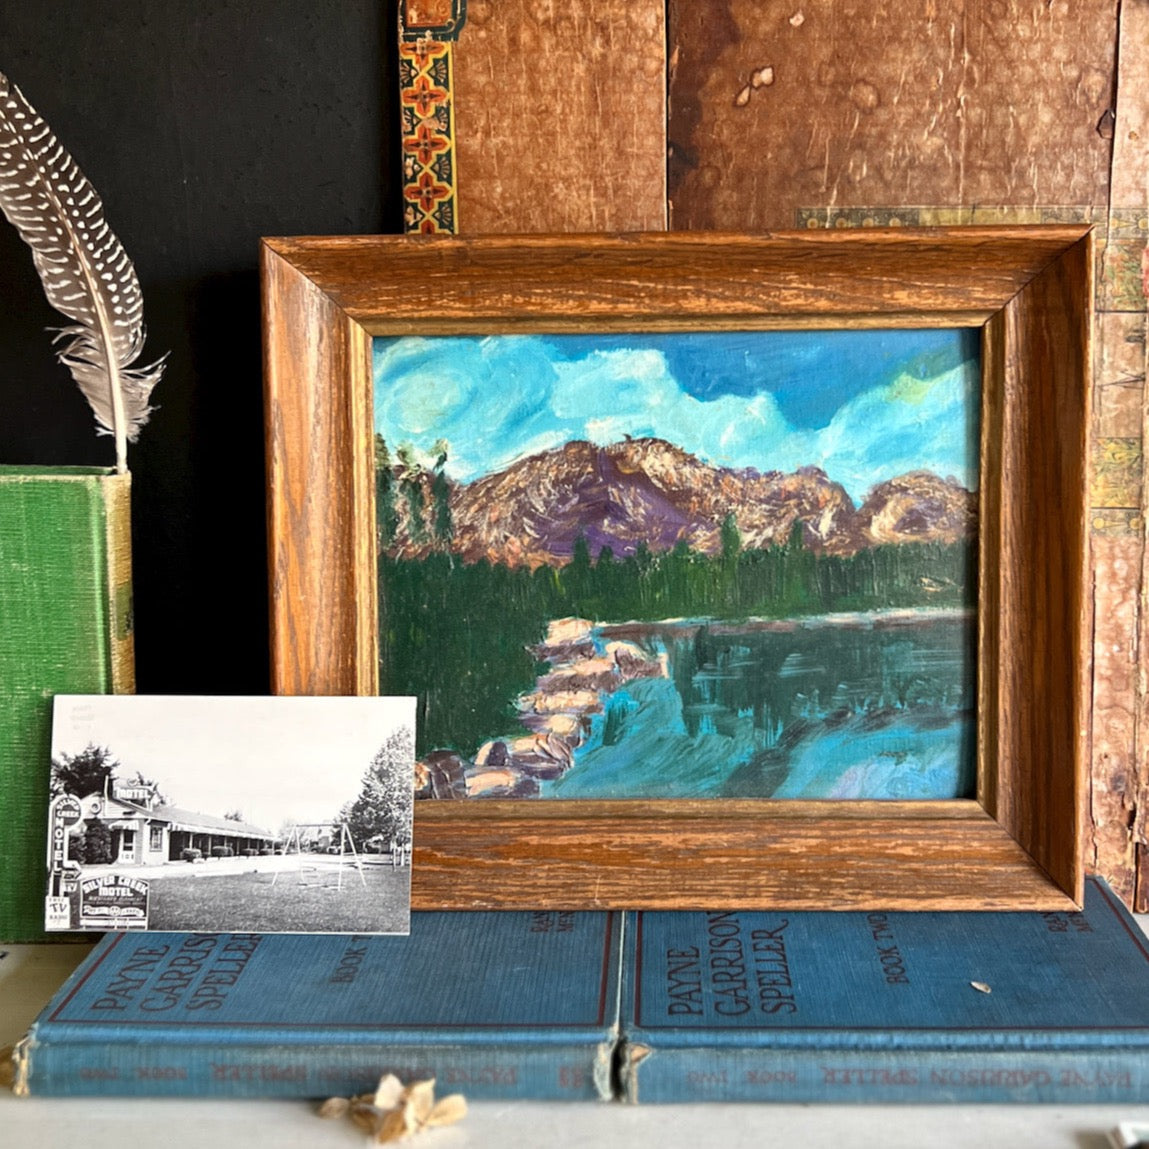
<point>697,565</point>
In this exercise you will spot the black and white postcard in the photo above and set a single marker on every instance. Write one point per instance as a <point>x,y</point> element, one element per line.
<point>260,815</point>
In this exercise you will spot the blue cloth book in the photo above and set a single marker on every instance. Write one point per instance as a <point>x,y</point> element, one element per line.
<point>887,1007</point>
<point>492,1005</point>
<point>757,1006</point>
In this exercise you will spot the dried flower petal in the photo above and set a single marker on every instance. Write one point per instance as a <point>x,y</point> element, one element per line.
<point>388,1092</point>
<point>394,1111</point>
<point>420,1097</point>
<point>447,1111</point>
<point>334,1107</point>
<point>365,1118</point>
<point>395,1125</point>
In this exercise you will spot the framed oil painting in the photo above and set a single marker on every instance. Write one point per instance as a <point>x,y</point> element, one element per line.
<point>727,570</point>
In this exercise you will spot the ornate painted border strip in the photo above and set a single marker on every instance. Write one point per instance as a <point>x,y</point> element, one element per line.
<point>427,29</point>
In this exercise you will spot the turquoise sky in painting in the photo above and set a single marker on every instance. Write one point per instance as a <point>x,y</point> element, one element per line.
<point>863,405</point>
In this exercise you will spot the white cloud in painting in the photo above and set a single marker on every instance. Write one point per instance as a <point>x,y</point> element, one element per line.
<point>907,425</point>
<point>496,400</point>
<point>643,399</point>
<point>489,398</point>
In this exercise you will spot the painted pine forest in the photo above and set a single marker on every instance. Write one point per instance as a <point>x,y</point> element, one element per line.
<point>447,622</point>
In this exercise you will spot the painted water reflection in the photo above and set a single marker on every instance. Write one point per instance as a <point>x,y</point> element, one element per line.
<point>877,705</point>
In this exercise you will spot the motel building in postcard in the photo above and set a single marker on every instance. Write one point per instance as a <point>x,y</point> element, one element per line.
<point>147,832</point>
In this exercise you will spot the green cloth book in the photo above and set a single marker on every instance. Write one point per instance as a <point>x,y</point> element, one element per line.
<point>65,628</point>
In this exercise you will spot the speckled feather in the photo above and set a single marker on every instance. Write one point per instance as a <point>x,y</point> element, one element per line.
<point>86,273</point>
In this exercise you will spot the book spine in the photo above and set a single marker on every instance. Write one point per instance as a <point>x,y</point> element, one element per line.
<point>65,585</point>
<point>1067,1076</point>
<point>576,1072</point>
<point>121,631</point>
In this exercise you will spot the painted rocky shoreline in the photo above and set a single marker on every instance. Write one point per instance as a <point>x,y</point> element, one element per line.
<point>557,716</point>
<point>588,661</point>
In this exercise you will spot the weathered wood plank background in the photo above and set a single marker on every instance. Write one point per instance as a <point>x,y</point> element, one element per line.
<point>975,103</point>
<point>561,116</point>
<point>819,113</point>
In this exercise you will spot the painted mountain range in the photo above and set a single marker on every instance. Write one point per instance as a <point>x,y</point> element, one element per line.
<point>648,491</point>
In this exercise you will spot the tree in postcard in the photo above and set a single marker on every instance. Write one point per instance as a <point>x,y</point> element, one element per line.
<point>383,807</point>
<point>96,843</point>
<point>87,772</point>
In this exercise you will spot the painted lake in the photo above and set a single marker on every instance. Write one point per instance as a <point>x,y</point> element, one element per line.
<point>879,705</point>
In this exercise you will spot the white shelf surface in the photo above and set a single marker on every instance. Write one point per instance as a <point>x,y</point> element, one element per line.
<point>29,975</point>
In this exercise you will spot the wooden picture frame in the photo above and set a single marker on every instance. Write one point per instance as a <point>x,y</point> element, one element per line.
<point>1029,290</point>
